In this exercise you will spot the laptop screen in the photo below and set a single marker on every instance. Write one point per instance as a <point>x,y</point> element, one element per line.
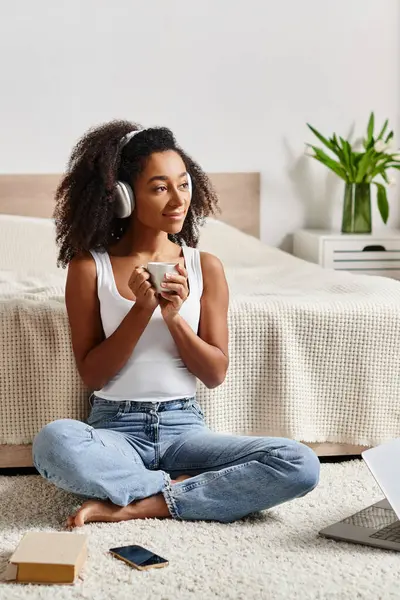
<point>384,463</point>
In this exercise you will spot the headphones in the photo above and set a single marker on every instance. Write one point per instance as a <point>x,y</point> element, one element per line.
<point>124,196</point>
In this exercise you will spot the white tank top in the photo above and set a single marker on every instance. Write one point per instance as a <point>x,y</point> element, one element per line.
<point>155,371</point>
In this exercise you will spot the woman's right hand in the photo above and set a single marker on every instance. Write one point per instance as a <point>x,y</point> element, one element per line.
<point>145,293</point>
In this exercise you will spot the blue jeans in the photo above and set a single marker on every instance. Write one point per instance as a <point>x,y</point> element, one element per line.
<point>126,451</point>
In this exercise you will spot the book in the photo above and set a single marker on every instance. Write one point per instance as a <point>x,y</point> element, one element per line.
<point>47,557</point>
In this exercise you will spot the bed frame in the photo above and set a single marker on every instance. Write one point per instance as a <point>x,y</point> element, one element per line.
<point>239,198</point>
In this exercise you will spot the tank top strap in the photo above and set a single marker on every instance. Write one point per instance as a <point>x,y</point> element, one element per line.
<point>101,267</point>
<point>193,267</point>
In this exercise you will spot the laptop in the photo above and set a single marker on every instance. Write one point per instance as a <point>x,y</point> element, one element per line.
<point>378,524</point>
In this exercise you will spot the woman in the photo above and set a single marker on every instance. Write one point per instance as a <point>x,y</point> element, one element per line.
<point>145,450</point>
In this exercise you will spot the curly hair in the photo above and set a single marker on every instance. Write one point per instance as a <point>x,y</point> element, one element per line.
<point>84,216</point>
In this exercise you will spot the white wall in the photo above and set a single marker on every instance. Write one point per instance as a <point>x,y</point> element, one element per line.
<point>236,81</point>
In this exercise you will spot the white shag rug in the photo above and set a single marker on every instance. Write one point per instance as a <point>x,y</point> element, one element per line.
<point>275,554</point>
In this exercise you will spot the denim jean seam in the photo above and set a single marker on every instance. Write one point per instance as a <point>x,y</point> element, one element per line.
<point>186,487</point>
<point>196,411</point>
<point>168,496</point>
<point>203,465</point>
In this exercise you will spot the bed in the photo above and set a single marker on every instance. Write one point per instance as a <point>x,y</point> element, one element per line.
<point>315,354</point>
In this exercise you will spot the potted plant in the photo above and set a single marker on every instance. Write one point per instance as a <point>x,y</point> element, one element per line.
<point>359,168</point>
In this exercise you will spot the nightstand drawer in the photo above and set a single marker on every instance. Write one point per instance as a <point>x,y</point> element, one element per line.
<point>365,254</point>
<point>362,254</point>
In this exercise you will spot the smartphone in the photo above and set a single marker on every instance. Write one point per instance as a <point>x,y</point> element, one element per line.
<point>139,557</point>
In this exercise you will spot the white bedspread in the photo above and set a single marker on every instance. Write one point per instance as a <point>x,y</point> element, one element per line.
<point>314,353</point>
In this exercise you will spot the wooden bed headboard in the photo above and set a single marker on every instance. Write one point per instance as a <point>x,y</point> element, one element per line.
<point>238,193</point>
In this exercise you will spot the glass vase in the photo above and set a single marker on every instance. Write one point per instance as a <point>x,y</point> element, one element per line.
<point>357,208</point>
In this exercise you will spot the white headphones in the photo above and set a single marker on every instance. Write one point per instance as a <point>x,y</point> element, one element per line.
<point>125,199</point>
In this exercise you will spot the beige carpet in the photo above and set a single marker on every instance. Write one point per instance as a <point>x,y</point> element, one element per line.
<point>273,555</point>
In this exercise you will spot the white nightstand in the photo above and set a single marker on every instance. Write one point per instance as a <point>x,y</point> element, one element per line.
<point>367,254</point>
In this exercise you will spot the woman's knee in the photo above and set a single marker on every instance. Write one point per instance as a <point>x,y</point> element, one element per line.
<point>304,463</point>
<point>309,467</point>
<point>54,441</point>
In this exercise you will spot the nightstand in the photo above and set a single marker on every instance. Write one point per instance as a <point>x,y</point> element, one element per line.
<point>367,254</point>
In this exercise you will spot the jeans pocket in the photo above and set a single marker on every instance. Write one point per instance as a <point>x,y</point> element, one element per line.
<point>196,409</point>
<point>104,411</point>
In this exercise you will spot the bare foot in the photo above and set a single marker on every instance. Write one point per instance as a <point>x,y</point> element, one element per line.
<point>99,510</point>
<point>104,510</point>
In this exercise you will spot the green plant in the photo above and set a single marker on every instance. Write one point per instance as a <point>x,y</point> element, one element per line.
<point>362,166</point>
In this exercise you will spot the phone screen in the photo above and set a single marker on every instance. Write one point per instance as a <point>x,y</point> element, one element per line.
<point>139,557</point>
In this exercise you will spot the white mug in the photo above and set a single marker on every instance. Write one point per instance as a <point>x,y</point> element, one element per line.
<point>157,271</point>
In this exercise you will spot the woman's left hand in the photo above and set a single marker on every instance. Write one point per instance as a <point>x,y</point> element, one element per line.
<point>176,292</point>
